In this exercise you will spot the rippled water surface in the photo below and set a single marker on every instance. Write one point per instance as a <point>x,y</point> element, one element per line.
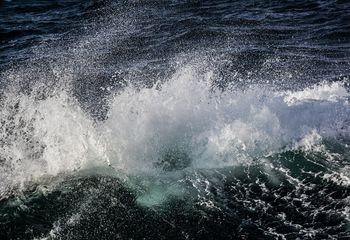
<point>174,119</point>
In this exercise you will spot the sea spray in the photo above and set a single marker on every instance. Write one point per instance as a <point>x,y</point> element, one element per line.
<point>183,123</point>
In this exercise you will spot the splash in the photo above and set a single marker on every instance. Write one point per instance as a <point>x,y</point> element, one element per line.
<point>206,128</point>
<point>183,123</point>
<point>44,137</point>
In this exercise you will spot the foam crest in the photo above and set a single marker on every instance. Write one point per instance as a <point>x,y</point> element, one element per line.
<point>322,92</point>
<point>188,118</point>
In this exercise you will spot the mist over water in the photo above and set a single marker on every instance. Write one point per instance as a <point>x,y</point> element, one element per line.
<point>177,120</point>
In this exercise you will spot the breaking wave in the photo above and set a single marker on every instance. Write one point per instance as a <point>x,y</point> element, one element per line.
<point>185,122</point>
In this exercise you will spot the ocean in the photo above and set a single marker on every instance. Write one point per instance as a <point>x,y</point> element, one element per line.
<point>174,119</point>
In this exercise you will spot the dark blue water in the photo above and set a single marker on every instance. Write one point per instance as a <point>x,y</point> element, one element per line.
<point>174,119</point>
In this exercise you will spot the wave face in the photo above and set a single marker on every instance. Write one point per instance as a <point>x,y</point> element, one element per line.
<point>174,120</point>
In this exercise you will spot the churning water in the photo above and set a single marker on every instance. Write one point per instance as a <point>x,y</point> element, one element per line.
<point>174,120</point>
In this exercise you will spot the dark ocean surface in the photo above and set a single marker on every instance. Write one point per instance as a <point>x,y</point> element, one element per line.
<point>174,119</point>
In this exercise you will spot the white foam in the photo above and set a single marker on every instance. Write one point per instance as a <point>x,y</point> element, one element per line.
<point>45,137</point>
<point>186,114</point>
<point>217,129</point>
<point>321,92</point>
